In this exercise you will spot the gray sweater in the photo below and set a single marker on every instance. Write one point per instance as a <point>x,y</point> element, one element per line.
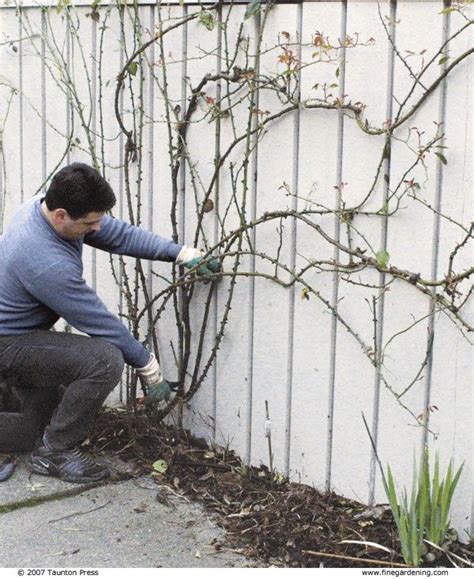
<point>41,277</point>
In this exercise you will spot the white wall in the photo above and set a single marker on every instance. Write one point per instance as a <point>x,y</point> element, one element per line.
<point>278,347</point>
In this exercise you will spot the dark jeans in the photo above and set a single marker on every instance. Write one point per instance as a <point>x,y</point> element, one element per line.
<point>62,380</point>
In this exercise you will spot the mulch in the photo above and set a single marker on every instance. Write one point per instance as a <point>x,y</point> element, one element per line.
<point>266,517</point>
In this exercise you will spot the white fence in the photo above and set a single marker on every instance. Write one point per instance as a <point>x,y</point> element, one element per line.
<point>287,346</point>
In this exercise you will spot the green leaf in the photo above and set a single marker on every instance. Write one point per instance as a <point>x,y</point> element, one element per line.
<point>62,4</point>
<point>441,157</point>
<point>132,68</point>
<point>207,20</point>
<point>383,258</point>
<point>160,466</point>
<point>252,9</point>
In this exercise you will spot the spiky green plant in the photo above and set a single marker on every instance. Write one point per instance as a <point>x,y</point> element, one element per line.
<point>426,513</point>
<point>409,518</point>
<point>440,497</point>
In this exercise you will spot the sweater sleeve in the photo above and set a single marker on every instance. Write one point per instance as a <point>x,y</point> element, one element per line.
<point>117,236</point>
<point>63,289</point>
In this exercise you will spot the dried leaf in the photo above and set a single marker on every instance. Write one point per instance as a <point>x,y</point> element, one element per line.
<point>142,508</point>
<point>208,206</point>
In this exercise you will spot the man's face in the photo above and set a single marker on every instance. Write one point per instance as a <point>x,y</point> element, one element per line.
<point>73,229</point>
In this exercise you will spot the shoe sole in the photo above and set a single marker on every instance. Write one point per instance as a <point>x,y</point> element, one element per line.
<point>48,469</point>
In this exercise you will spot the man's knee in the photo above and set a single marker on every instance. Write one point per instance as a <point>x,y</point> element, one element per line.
<point>112,360</point>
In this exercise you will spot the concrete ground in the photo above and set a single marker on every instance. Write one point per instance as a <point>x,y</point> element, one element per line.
<point>45,522</point>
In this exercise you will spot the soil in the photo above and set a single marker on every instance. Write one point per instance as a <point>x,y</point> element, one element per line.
<point>266,517</point>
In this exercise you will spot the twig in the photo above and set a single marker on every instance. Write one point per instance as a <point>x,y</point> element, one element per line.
<point>196,464</point>
<point>358,559</point>
<point>80,513</point>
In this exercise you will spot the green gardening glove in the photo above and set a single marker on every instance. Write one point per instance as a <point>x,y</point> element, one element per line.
<point>191,258</point>
<point>207,267</point>
<point>152,381</point>
<point>159,391</point>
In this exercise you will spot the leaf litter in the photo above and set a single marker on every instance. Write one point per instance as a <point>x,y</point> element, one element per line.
<point>266,517</point>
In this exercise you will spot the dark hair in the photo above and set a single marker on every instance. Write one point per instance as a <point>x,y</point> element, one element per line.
<point>79,189</point>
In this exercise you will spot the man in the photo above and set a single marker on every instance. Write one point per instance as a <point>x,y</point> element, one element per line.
<point>62,379</point>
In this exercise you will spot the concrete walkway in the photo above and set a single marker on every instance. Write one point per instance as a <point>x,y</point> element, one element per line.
<point>45,522</point>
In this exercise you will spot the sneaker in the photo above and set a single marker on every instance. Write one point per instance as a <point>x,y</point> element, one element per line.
<point>72,465</point>
<point>7,466</point>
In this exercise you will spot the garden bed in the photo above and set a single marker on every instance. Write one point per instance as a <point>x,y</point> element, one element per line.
<point>265,517</point>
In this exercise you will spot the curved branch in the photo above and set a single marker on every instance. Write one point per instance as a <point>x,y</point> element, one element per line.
<point>125,69</point>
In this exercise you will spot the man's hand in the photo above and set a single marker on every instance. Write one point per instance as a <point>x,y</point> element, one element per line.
<point>160,391</point>
<point>152,381</point>
<point>191,257</point>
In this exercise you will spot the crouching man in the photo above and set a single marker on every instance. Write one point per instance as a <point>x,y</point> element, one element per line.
<point>62,379</point>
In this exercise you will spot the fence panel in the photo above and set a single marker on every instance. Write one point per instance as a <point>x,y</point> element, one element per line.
<point>333,343</point>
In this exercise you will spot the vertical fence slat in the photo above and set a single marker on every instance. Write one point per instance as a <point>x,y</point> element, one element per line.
<point>317,190</point>
<point>293,250</point>
<point>10,116</point>
<point>198,59</point>
<point>272,348</point>
<point>93,57</point>
<point>151,147</point>
<point>44,142</point>
<point>33,170</point>
<point>451,372</point>
<point>121,201</point>
<point>337,237</point>
<point>234,371</point>
<point>408,245</point>
<point>436,228</point>
<point>251,260</point>
<point>366,82</point>
<point>20,97</point>
<point>383,247</point>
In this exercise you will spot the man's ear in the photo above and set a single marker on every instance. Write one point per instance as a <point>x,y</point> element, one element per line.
<point>60,215</point>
